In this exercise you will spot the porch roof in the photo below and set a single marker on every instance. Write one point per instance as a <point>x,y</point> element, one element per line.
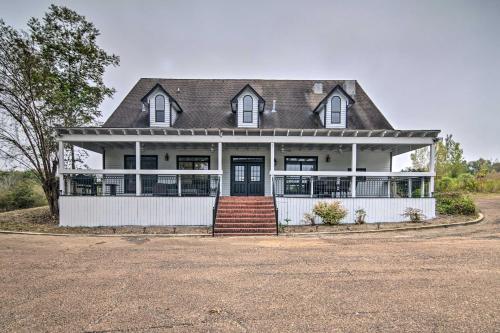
<point>276,132</point>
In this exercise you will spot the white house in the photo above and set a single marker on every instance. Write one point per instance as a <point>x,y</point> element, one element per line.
<point>269,149</point>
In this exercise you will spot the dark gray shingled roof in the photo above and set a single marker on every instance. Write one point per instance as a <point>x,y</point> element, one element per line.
<point>206,104</point>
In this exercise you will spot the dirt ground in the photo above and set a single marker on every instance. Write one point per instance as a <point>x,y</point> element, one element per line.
<point>437,280</point>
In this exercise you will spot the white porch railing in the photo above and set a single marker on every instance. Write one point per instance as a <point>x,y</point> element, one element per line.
<point>151,182</point>
<point>325,184</point>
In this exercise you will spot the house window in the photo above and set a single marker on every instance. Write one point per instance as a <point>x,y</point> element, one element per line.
<point>247,109</point>
<point>359,178</point>
<point>148,162</point>
<point>194,185</point>
<point>336,110</point>
<point>298,185</point>
<point>193,162</point>
<point>160,109</point>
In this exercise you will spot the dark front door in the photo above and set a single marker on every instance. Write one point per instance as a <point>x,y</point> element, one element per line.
<point>247,176</point>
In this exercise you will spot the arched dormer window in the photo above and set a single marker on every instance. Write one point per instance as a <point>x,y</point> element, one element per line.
<point>247,109</point>
<point>160,109</point>
<point>336,107</point>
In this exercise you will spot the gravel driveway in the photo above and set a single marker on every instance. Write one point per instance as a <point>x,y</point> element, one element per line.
<point>435,280</point>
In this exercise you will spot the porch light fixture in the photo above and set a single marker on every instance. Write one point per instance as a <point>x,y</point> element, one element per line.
<point>167,157</point>
<point>212,148</point>
<point>328,158</point>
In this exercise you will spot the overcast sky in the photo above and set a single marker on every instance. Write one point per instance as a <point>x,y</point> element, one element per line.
<point>425,64</point>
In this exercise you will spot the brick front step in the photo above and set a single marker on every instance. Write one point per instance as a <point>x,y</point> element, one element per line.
<point>244,234</point>
<point>249,206</point>
<point>246,198</point>
<point>244,230</point>
<point>242,216</point>
<point>253,214</point>
<point>243,220</point>
<point>245,210</point>
<point>246,225</point>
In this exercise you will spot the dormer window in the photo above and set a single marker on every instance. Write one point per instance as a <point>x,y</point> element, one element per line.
<point>336,110</point>
<point>333,109</point>
<point>160,109</point>
<point>247,109</point>
<point>247,104</point>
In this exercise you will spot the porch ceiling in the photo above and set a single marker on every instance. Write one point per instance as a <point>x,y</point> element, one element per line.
<point>395,149</point>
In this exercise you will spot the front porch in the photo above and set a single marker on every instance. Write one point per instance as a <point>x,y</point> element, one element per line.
<point>163,178</point>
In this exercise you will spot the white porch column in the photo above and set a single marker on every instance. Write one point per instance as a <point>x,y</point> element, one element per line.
<point>432,167</point>
<point>60,167</point>
<point>353,168</point>
<point>219,165</point>
<point>271,165</point>
<point>409,188</point>
<point>137,168</point>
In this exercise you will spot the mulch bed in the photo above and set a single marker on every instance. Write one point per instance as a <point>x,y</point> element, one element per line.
<point>39,220</point>
<point>442,219</point>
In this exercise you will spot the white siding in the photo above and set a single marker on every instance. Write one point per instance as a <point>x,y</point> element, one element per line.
<point>144,211</point>
<point>152,120</point>
<point>173,114</point>
<point>168,211</point>
<point>377,209</point>
<point>255,113</point>
<point>322,115</point>
<point>343,111</point>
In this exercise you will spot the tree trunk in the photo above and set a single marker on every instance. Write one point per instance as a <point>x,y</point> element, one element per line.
<point>50,188</point>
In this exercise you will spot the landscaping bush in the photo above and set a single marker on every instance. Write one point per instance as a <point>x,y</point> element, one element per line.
<point>331,213</point>
<point>309,219</point>
<point>453,203</point>
<point>414,214</point>
<point>360,216</point>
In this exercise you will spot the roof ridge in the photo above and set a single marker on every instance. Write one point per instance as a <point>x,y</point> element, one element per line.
<point>240,79</point>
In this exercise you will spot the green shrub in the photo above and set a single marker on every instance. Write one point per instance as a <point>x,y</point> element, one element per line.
<point>467,182</point>
<point>445,184</point>
<point>20,190</point>
<point>455,203</point>
<point>331,213</point>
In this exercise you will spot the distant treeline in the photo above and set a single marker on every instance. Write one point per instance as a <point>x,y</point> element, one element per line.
<point>20,189</point>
